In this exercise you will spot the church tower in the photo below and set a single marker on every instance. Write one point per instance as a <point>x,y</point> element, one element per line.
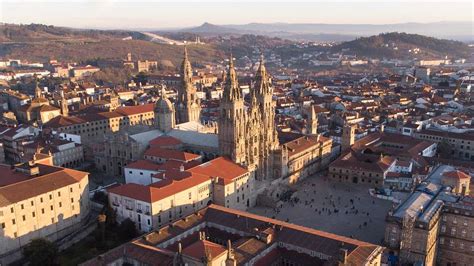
<point>268,135</point>
<point>164,113</point>
<point>348,137</point>
<point>64,107</point>
<point>232,119</point>
<point>188,104</point>
<point>253,136</point>
<point>312,122</point>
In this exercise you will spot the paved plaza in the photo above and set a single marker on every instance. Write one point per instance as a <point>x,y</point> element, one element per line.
<point>341,208</point>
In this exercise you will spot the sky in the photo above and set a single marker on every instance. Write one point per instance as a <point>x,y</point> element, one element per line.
<point>156,14</point>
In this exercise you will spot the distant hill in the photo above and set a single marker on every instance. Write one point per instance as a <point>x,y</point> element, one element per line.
<point>398,45</point>
<point>461,31</point>
<point>41,42</point>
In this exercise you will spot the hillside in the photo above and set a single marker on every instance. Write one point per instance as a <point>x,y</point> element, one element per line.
<point>398,45</point>
<point>40,42</point>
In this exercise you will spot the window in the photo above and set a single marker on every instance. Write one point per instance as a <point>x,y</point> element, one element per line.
<point>189,195</point>
<point>60,204</point>
<point>59,193</point>
<point>51,207</point>
<point>42,210</point>
<point>70,189</point>
<point>50,196</point>
<point>13,221</point>
<point>33,214</point>
<point>12,210</point>
<point>41,199</point>
<point>32,203</point>
<point>23,217</point>
<point>22,206</point>
<point>72,200</point>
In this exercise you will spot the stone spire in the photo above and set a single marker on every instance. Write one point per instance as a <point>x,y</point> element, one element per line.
<point>37,89</point>
<point>186,70</point>
<point>232,91</point>
<point>261,79</point>
<point>64,106</point>
<point>188,103</point>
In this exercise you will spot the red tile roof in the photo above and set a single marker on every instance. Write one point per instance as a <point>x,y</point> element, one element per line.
<point>203,248</point>
<point>457,175</point>
<point>144,165</point>
<point>220,167</point>
<point>171,154</point>
<point>164,141</point>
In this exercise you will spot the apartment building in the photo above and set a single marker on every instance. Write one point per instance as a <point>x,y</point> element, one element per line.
<point>39,200</point>
<point>179,193</point>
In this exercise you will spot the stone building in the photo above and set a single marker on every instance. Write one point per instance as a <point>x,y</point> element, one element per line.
<point>38,110</point>
<point>39,200</point>
<point>432,225</point>
<point>217,235</point>
<point>248,136</point>
<point>302,156</point>
<point>178,193</point>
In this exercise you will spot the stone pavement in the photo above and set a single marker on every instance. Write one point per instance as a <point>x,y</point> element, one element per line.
<point>340,208</point>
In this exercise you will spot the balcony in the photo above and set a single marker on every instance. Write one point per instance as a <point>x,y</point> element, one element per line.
<point>139,211</point>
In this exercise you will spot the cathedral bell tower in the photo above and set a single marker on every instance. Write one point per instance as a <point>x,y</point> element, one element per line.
<point>188,104</point>
<point>232,119</point>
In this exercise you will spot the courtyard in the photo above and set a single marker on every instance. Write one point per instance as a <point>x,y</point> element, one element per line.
<point>341,208</point>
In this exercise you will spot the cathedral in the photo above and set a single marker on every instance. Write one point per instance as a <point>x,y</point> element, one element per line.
<point>246,131</point>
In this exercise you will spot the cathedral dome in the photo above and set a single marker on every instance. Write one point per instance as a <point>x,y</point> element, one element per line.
<point>164,105</point>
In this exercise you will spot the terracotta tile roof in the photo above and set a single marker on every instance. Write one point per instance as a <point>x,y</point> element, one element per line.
<point>457,175</point>
<point>144,164</point>
<point>171,154</point>
<point>145,254</point>
<point>173,183</point>
<point>220,167</point>
<point>50,178</point>
<point>203,248</point>
<point>61,121</point>
<point>164,141</point>
<point>137,109</point>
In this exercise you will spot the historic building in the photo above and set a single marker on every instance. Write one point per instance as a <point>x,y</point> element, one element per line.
<point>188,103</point>
<point>433,226</point>
<point>39,110</point>
<point>217,235</point>
<point>39,200</point>
<point>248,135</point>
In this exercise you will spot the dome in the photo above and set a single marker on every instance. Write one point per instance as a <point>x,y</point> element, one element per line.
<point>164,105</point>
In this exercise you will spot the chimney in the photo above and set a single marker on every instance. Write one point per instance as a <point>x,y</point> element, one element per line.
<point>181,168</point>
<point>343,255</point>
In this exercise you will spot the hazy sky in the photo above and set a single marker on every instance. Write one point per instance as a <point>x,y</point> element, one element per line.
<point>174,14</point>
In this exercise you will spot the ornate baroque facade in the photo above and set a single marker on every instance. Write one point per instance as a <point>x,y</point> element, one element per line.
<point>247,135</point>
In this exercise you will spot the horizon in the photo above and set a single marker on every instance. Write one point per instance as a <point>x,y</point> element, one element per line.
<point>166,15</point>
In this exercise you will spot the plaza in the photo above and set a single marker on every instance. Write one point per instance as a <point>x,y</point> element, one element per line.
<point>340,208</point>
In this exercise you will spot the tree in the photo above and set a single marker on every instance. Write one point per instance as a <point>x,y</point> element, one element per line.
<point>40,252</point>
<point>444,149</point>
<point>127,230</point>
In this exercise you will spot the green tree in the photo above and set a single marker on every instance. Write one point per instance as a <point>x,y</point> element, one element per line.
<point>40,252</point>
<point>444,149</point>
<point>127,230</point>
